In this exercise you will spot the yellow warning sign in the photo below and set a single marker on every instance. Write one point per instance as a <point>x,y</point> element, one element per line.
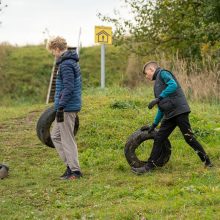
<point>103,35</point>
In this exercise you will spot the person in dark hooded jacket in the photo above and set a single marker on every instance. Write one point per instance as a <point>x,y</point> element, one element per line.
<point>173,109</point>
<point>67,104</point>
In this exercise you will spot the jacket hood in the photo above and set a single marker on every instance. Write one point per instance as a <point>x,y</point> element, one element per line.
<point>68,55</point>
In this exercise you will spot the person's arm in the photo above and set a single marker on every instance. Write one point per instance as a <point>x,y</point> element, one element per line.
<point>171,88</point>
<point>158,117</point>
<point>157,120</point>
<point>170,82</point>
<point>68,83</point>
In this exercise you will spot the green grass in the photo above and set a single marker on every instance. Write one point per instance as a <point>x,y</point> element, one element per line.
<point>115,65</point>
<point>26,71</point>
<point>182,189</point>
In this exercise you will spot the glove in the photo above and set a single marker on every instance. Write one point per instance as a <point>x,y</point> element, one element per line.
<point>152,127</point>
<point>153,103</point>
<point>60,115</point>
<point>144,128</point>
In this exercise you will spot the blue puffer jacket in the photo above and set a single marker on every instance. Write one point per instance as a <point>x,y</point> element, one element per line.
<point>68,83</point>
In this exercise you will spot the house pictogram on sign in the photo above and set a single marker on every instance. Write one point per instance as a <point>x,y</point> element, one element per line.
<point>103,37</point>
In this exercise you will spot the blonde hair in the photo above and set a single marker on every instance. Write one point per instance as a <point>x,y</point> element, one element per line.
<point>57,42</point>
<point>150,64</point>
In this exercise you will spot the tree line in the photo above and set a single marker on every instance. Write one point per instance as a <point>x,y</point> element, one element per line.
<point>191,27</point>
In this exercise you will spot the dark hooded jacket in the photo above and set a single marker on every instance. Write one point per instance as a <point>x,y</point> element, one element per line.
<point>68,83</point>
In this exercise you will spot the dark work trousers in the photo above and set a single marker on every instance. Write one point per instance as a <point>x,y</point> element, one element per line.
<point>167,126</point>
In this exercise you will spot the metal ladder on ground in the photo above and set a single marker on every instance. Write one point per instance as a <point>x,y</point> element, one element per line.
<point>52,84</point>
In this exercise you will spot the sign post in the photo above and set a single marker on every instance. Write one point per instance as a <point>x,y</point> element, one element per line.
<point>103,35</point>
<point>103,66</point>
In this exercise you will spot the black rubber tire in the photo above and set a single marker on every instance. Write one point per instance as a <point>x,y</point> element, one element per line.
<point>44,123</point>
<point>3,171</point>
<point>133,143</point>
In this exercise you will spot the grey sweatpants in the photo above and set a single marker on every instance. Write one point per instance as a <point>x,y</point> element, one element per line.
<point>64,141</point>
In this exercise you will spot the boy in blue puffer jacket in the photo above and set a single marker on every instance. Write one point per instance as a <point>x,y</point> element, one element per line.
<point>67,105</point>
<point>173,108</point>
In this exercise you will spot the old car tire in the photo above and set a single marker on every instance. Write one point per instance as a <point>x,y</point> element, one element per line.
<point>3,171</point>
<point>44,123</point>
<point>134,142</point>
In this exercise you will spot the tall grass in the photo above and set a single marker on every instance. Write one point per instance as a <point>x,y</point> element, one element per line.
<point>25,72</point>
<point>133,76</point>
<point>4,51</point>
<point>200,80</point>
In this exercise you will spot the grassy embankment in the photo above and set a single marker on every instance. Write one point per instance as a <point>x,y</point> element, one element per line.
<point>182,189</point>
<point>25,71</point>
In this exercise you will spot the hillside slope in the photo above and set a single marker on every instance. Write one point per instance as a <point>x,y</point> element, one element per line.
<point>182,189</point>
<point>25,71</point>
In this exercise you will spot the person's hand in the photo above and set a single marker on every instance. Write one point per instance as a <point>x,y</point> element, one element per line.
<point>144,128</point>
<point>60,115</point>
<point>153,103</point>
<point>152,127</point>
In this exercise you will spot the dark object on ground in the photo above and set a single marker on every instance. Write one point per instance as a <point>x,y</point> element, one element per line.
<point>44,123</point>
<point>3,171</point>
<point>139,137</point>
